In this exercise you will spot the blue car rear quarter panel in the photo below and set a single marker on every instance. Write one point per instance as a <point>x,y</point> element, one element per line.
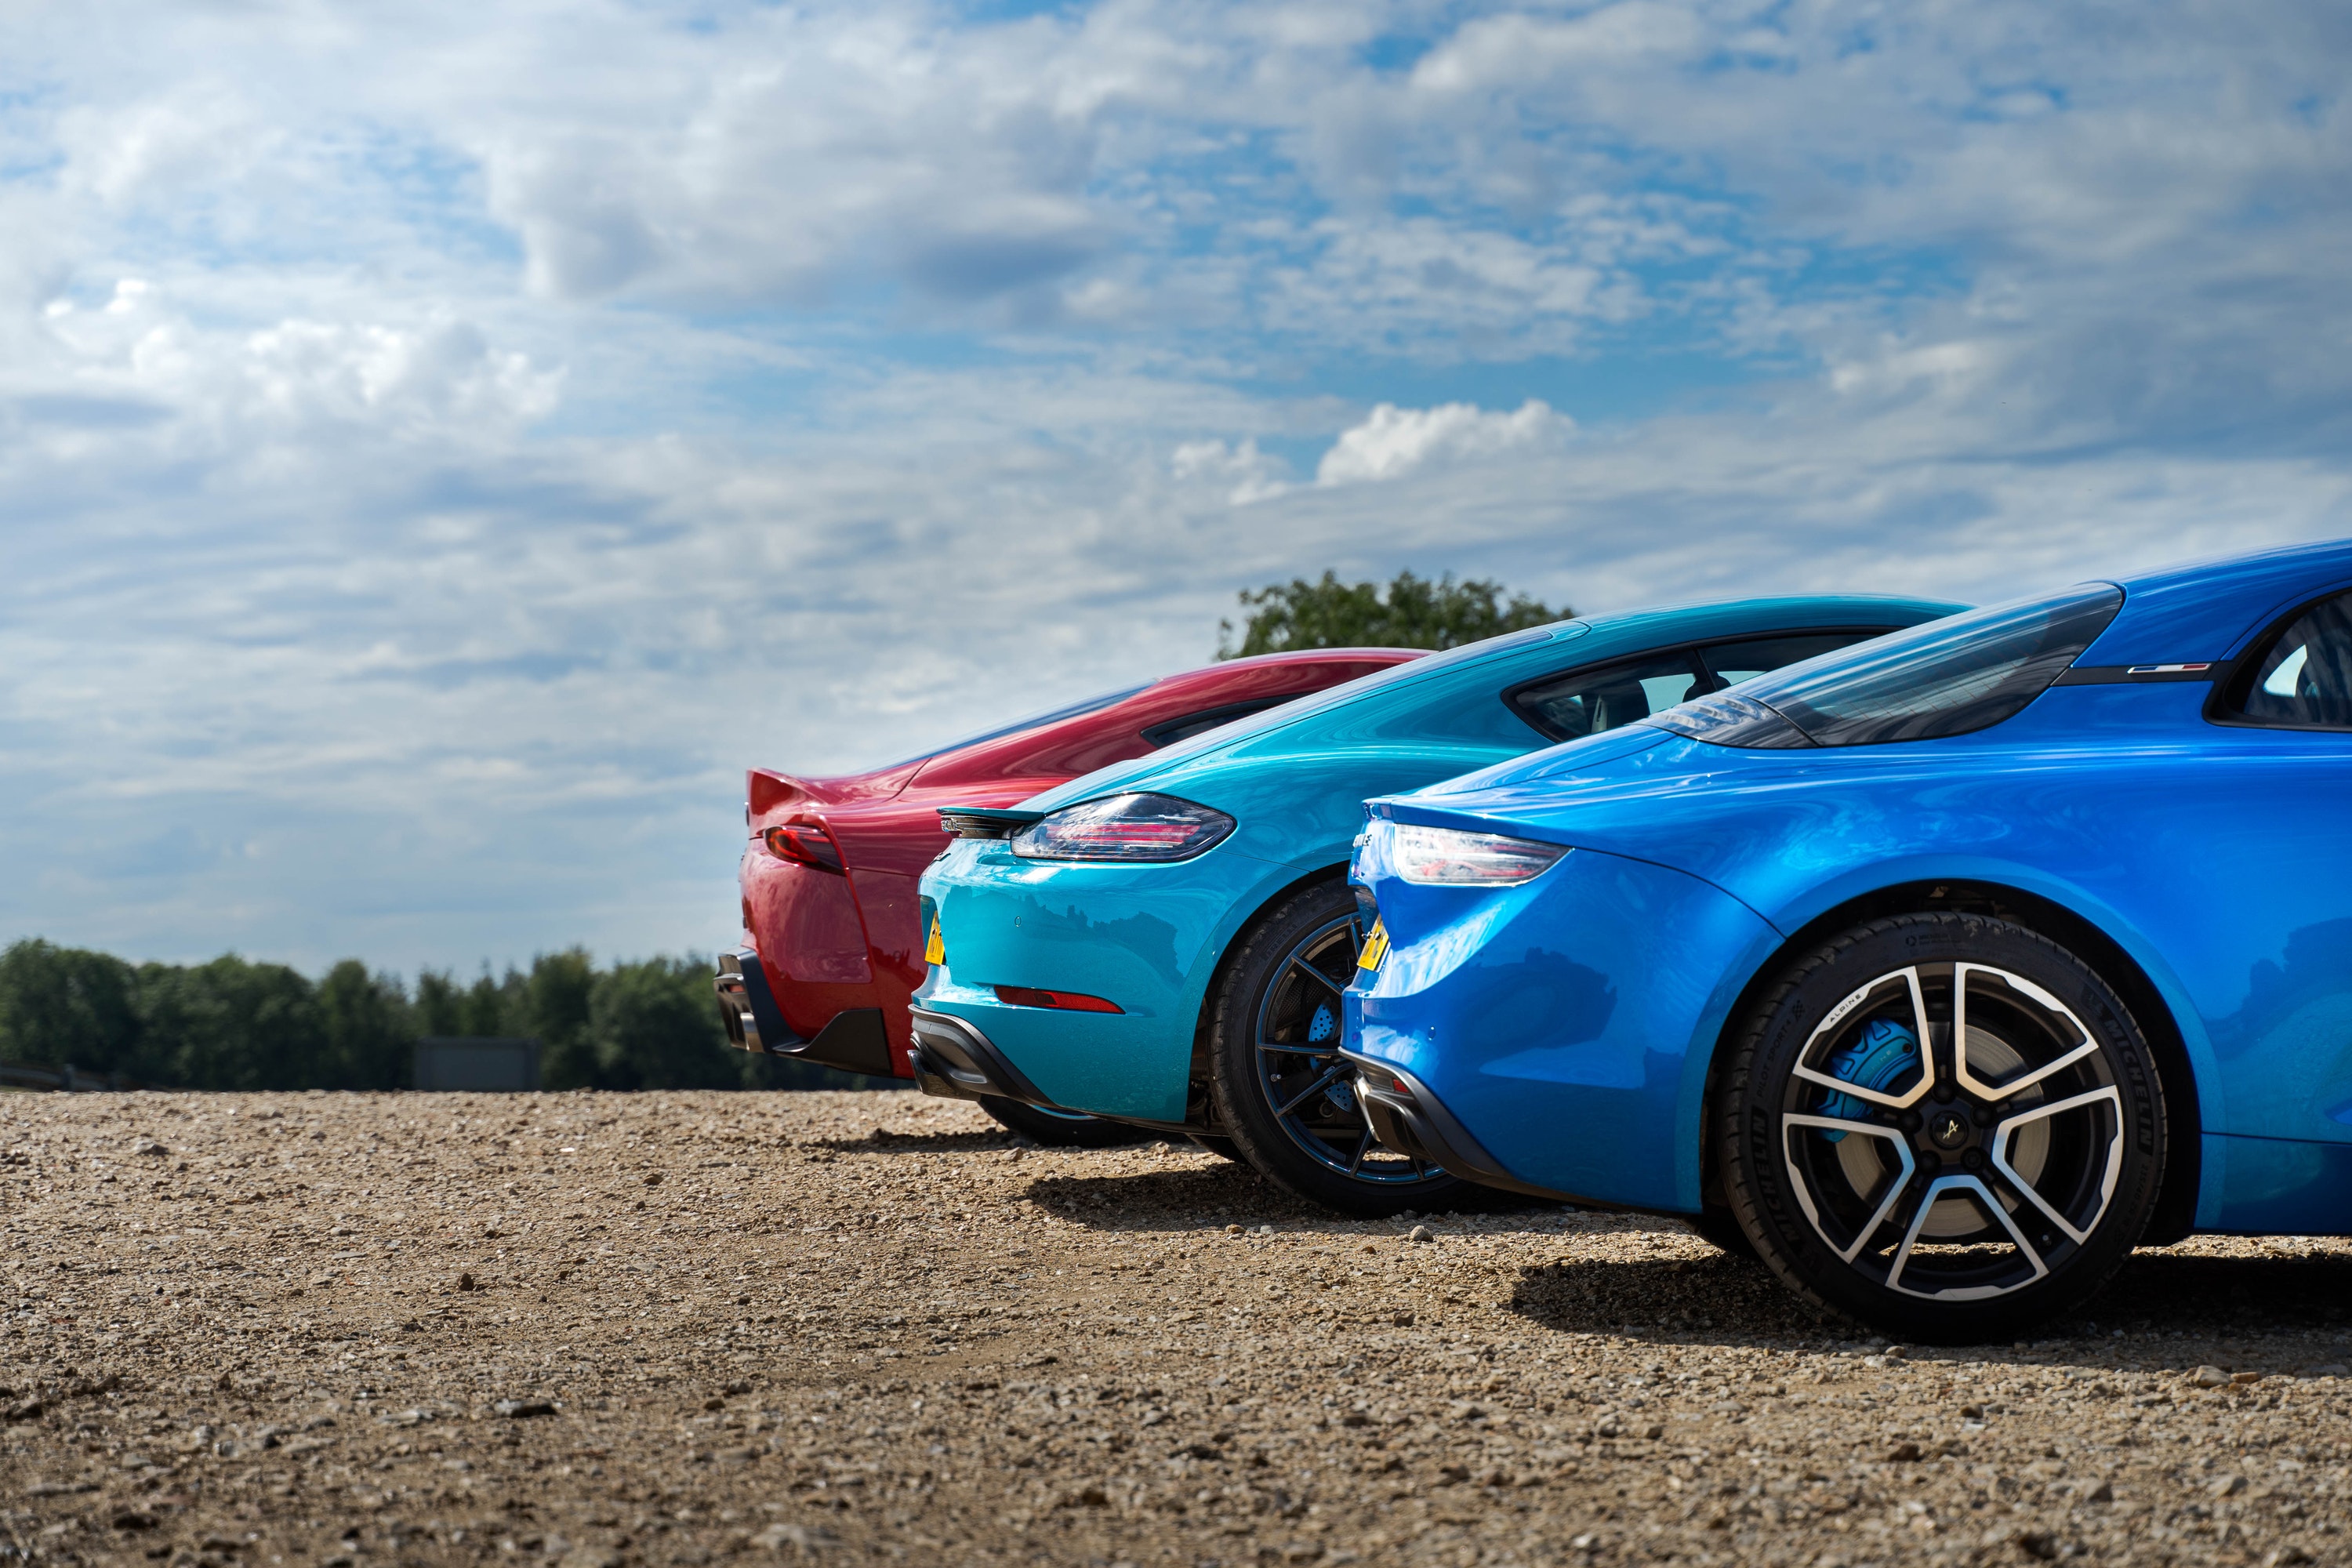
<point>2223,868</point>
<point>1556,1019</point>
<point>2272,1186</point>
<point>2218,858</point>
<point>2207,610</point>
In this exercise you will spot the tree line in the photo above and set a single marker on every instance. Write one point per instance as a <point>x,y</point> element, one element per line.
<point>234,1023</point>
<point>1410,611</point>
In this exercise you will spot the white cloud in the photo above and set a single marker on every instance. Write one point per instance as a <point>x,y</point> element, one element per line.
<point>441,446</point>
<point>1392,441</point>
<point>1494,53</point>
<point>1244,472</point>
<point>195,135</point>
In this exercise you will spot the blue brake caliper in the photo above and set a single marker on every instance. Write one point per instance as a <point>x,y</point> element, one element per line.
<point>1881,1057</point>
<point>1319,1029</point>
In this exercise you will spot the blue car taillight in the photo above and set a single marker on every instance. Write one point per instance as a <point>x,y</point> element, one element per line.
<point>1447,857</point>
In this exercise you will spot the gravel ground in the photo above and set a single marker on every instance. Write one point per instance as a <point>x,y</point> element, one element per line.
<point>355,1329</point>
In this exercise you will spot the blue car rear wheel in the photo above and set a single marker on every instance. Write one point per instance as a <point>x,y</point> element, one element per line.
<point>1284,1093</point>
<point>1945,1126</point>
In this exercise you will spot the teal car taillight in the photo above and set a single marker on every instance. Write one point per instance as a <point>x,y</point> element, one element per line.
<point>1127,828</point>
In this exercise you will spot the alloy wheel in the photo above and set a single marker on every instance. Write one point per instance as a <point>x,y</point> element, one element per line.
<point>1952,1132</point>
<point>1306,1083</point>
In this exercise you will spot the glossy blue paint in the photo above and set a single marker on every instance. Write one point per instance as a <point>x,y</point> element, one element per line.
<point>2213,608</point>
<point>2217,856</point>
<point>1509,1005</point>
<point>1151,937</point>
<point>2275,1186</point>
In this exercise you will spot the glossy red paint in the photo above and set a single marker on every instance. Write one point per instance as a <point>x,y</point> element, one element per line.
<point>829,939</point>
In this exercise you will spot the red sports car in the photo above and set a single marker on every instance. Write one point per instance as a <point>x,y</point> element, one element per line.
<point>831,947</point>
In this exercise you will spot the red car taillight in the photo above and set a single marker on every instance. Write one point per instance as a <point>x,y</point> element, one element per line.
<point>803,844</point>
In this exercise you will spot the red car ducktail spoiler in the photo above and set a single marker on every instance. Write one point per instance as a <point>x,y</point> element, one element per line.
<point>766,790</point>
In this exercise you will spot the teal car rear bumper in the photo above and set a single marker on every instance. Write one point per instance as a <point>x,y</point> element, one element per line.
<point>1145,938</point>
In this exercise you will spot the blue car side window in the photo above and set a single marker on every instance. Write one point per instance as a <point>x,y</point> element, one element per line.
<point>2303,680</point>
<point>1948,678</point>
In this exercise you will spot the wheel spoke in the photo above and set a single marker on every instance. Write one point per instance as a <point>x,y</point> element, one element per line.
<point>2000,1215</point>
<point>1305,968</point>
<point>1363,1147</point>
<point>2112,1164</point>
<point>1927,1074</point>
<point>1293,1050</point>
<point>1311,1090</point>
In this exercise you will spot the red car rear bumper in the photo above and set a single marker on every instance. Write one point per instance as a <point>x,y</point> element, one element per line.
<point>852,1040</point>
<point>800,985</point>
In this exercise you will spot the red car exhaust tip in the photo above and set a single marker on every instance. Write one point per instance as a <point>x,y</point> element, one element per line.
<point>1068,1001</point>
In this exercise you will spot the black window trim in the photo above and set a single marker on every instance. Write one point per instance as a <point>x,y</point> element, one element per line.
<point>1184,726</point>
<point>2224,698</point>
<point>1696,651</point>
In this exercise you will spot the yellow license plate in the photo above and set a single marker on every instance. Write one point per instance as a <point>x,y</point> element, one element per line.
<point>1376,948</point>
<point>935,947</point>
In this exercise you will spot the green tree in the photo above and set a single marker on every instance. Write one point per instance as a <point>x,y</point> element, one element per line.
<point>369,1035</point>
<point>231,1024</point>
<point>60,1004</point>
<point>493,1009</point>
<point>440,1004</point>
<point>1414,612</point>
<point>654,1025</point>
<point>558,994</point>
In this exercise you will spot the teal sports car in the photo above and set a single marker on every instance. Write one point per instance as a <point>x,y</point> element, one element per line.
<point>1165,940</point>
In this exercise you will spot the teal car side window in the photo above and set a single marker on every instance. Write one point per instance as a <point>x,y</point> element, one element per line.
<point>1733,662</point>
<point>1589,701</point>
<point>1600,698</point>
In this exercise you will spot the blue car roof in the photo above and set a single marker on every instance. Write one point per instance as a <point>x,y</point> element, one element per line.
<point>2208,609</point>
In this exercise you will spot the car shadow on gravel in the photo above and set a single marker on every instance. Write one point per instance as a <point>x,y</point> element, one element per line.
<point>1212,1196</point>
<point>1726,1300</point>
<point>882,1142</point>
<point>2226,1295</point>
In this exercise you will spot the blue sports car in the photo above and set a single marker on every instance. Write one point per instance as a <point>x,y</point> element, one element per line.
<point>1941,972</point>
<point>1164,941</point>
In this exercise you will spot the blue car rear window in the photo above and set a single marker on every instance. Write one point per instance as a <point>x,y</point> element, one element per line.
<point>1947,677</point>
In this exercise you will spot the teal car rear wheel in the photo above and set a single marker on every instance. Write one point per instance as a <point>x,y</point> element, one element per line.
<point>1284,1095</point>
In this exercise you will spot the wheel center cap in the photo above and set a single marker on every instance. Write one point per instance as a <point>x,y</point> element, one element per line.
<point>1947,1130</point>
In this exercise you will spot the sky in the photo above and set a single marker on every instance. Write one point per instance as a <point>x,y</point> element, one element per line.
<point>442,446</point>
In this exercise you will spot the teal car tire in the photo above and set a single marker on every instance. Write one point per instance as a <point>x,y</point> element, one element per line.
<point>1944,1126</point>
<point>1063,1129</point>
<point>1284,1095</point>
